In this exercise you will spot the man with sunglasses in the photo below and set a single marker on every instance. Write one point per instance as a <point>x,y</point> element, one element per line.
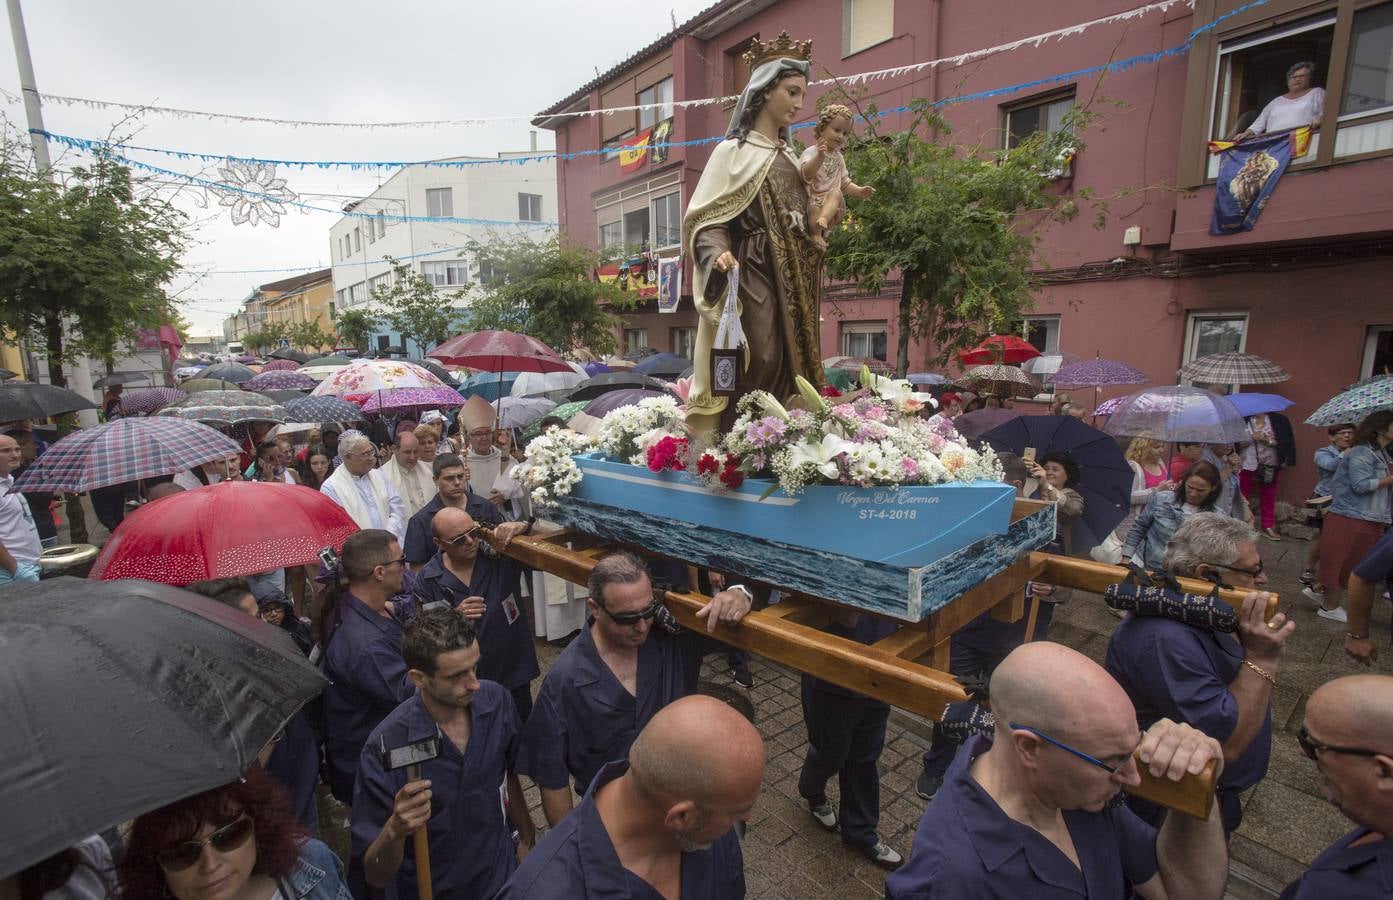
<point>483,587</point>
<point>617,673</point>
<point>1030,811</point>
<point>1220,683</point>
<point>452,492</point>
<point>1348,733</point>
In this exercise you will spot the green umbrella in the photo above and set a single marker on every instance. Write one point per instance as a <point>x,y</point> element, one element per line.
<point>327,361</point>
<point>838,378</point>
<point>563,412</point>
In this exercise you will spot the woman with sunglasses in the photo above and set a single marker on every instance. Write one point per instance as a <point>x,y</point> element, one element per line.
<point>236,842</point>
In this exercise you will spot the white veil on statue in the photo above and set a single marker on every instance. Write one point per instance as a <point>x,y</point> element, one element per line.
<point>742,118</point>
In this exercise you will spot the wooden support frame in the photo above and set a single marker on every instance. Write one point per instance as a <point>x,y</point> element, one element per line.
<point>907,669</point>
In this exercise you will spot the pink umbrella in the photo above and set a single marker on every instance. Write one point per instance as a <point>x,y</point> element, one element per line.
<point>412,399</point>
<point>499,351</point>
<point>280,365</point>
<point>149,400</point>
<point>281,381</point>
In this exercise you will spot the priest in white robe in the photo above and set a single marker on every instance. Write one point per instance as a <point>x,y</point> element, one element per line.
<point>411,477</point>
<point>362,490</point>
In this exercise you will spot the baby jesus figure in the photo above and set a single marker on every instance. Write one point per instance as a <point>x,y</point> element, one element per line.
<point>824,169</point>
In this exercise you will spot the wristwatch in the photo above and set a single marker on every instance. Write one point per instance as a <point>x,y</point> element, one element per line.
<point>749,595</point>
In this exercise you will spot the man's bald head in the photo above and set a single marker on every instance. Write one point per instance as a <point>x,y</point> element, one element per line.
<point>1356,710</point>
<point>10,455</point>
<point>450,522</point>
<point>698,749</point>
<point>1053,687</point>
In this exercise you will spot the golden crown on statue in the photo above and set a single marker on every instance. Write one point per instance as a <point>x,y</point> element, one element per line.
<point>782,47</point>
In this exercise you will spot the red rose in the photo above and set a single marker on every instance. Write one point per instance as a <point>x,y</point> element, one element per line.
<point>707,464</point>
<point>732,478</point>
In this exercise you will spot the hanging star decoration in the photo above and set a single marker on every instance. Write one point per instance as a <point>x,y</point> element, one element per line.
<point>254,193</point>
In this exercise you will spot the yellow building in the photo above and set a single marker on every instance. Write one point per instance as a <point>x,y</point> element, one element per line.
<point>304,298</point>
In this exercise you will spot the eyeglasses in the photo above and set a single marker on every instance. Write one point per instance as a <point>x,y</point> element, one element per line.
<point>399,561</point>
<point>1091,760</point>
<point>1310,749</point>
<point>1252,573</point>
<point>224,840</point>
<point>470,535</point>
<point>634,618</point>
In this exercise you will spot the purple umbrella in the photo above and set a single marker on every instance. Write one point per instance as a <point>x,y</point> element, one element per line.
<point>1097,373</point>
<point>596,368</point>
<point>412,400</point>
<point>281,381</point>
<point>1108,407</point>
<point>978,422</point>
<point>280,365</point>
<point>149,401</point>
<point>608,403</point>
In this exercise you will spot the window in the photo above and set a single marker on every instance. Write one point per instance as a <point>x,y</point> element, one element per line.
<point>487,273</point>
<point>1369,71</point>
<point>683,341</point>
<point>1378,351</point>
<point>611,234</point>
<point>1209,333</point>
<point>738,71</point>
<point>667,220</point>
<point>612,145</point>
<point>440,202</point>
<point>867,339</point>
<point>379,282</point>
<point>1042,332</point>
<point>446,273</point>
<point>660,93</point>
<point>357,239</point>
<point>359,292</point>
<point>636,228</point>
<point>1253,70</point>
<point>635,338</point>
<point>383,342</point>
<point>1038,115</point>
<point>381,224</point>
<point>344,300</point>
<point>529,207</point>
<point>866,23</point>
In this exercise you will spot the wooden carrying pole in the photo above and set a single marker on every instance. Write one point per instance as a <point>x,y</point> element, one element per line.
<point>907,669</point>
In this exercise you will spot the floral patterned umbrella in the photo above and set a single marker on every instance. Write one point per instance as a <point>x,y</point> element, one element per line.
<point>227,408</point>
<point>1355,403</point>
<point>367,376</point>
<point>1108,407</point>
<point>149,400</point>
<point>281,381</point>
<point>410,399</point>
<point>280,365</point>
<point>1097,373</point>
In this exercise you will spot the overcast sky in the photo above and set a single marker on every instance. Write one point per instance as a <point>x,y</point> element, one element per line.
<point>346,60</point>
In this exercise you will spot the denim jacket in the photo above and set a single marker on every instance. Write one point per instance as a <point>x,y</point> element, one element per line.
<point>1354,486</point>
<point>1327,461</point>
<point>1154,527</point>
<point>318,874</point>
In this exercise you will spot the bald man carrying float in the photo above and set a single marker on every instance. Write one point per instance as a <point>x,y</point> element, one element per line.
<point>662,823</point>
<point>1348,731</point>
<point>1029,812</point>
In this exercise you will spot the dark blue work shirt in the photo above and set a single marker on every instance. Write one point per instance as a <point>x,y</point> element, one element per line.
<point>577,861</point>
<point>1349,873</point>
<point>506,652</point>
<point>420,541</point>
<point>295,764</point>
<point>584,718</point>
<point>1377,564</point>
<point>471,845</point>
<point>363,662</point>
<point>966,846</point>
<point>1180,672</point>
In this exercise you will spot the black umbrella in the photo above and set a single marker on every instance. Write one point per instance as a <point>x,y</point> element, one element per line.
<point>1105,479</point>
<point>292,355</point>
<point>228,371</point>
<point>322,410</point>
<point>437,370</point>
<point>668,365</point>
<point>121,378</point>
<point>591,388</point>
<point>124,696</point>
<point>26,400</point>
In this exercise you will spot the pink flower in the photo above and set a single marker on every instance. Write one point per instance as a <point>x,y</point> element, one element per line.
<point>911,467</point>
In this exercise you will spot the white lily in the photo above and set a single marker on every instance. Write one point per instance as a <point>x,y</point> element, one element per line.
<point>897,390</point>
<point>822,454</point>
<point>770,405</point>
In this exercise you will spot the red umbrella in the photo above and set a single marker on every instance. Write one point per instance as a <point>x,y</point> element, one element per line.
<point>999,348</point>
<point>499,351</point>
<point>223,531</point>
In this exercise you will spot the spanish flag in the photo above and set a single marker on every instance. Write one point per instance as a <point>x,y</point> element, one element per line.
<point>633,153</point>
<point>1300,142</point>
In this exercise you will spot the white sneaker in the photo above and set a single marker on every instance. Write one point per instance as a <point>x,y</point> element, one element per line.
<point>1311,593</point>
<point>1335,615</point>
<point>824,814</point>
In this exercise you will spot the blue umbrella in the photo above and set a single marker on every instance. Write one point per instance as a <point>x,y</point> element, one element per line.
<point>1253,404</point>
<point>489,385</point>
<point>927,378</point>
<point>596,368</point>
<point>663,365</point>
<point>1105,479</point>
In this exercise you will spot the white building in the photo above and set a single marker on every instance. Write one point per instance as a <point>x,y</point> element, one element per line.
<point>472,203</point>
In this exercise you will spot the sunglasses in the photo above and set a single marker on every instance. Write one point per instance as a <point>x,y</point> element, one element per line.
<point>399,561</point>
<point>470,535</point>
<point>1091,760</point>
<point>1310,748</point>
<point>224,840</point>
<point>634,618</point>
<point>1252,573</point>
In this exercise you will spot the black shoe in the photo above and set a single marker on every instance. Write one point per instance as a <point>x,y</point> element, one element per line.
<point>743,677</point>
<point>928,785</point>
<point>882,855</point>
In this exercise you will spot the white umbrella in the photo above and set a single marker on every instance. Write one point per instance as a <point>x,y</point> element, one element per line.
<point>528,384</point>
<point>519,412</point>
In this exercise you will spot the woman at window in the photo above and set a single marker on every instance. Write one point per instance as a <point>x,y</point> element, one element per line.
<point>1301,105</point>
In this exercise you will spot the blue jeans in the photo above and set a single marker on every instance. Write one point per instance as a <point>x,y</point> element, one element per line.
<point>25,573</point>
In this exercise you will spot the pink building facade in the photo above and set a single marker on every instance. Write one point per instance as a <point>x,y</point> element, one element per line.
<point>1308,287</point>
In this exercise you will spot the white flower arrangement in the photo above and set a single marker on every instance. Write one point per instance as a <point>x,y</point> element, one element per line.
<point>627,432</point>
<point>551,470</point>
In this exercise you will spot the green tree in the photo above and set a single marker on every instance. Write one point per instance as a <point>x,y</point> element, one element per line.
<point>547,290</point>
<point>959,225</point>
<point>309,336</point>
<point>355,327</point>
<point>256,341</point>
<point>413,308</point>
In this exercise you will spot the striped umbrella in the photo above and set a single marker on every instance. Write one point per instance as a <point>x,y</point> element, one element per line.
<point>226,408</point>
<point>124,450</point>
<point>1233,368</point>
<point>281,381</point>
<point>149,401</point>
<point>280,365</point>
